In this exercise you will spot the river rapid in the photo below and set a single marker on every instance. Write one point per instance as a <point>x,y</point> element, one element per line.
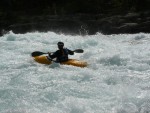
<point>117,79</point>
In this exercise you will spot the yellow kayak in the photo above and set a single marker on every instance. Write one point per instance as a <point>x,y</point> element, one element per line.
<point>73,62</point>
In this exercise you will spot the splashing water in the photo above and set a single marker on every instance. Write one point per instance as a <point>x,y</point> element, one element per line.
<point>115,81</point>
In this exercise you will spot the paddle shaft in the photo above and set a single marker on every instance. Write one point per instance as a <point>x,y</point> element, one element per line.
<point>38,53</point>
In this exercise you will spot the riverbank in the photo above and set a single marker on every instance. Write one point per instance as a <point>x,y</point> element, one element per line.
<point>81,24</point>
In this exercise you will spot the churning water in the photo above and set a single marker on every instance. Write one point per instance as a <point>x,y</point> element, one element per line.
<point>117,79</point>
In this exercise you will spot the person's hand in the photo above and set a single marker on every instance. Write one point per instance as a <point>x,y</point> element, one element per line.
<point>49,53</point>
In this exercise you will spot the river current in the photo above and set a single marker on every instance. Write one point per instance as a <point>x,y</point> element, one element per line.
<point>117,79</point>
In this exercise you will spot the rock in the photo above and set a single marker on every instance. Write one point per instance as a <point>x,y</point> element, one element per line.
<point>84,24</point>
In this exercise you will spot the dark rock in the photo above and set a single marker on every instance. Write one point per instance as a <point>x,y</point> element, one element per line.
<point>84,24</point>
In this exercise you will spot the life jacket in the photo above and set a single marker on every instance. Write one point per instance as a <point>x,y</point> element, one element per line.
<point>63,56</point>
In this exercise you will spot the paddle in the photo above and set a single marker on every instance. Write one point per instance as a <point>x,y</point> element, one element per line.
<point>38,53</point>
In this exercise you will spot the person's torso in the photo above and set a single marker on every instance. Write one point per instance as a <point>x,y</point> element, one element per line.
<point>62,55</point>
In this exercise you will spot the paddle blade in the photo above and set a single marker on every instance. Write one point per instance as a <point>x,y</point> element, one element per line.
<point>37,53</point>
<point>79,51</point>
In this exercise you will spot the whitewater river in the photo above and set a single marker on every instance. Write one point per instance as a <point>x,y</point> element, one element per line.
<point>117,79</point>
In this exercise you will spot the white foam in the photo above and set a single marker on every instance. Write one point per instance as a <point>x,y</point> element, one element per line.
<point>116,80</point>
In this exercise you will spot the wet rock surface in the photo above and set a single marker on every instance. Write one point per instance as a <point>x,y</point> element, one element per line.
<point>83,24</point>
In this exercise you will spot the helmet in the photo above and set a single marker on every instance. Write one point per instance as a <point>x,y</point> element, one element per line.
<point>60,44</point>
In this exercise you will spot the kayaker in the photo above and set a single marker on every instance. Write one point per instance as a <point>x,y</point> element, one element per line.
<point>61,54</point>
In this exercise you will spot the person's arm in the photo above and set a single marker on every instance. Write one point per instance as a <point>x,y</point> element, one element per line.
<point>54,55</point>
<point>70,52</point>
